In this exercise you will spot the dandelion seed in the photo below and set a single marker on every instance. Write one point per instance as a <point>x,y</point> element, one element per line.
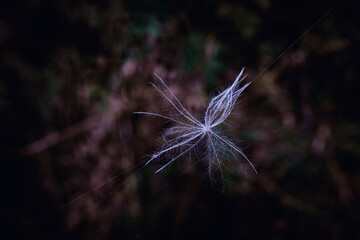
<point>189,133</point>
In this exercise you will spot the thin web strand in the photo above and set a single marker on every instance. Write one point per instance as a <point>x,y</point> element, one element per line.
<point>301,37</point>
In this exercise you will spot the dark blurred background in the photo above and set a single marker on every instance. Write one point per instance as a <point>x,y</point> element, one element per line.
<point>73,72</point>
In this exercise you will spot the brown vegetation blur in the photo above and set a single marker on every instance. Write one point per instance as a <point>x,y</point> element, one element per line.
<point>73,152</point>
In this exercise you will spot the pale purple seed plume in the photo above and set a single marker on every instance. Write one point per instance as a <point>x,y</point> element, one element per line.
<point>188,133</point>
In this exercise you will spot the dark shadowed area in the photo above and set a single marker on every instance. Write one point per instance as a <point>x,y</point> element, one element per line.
<point>73,153</point>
